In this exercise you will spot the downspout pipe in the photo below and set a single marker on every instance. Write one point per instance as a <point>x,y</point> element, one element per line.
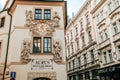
<point>7,49</point>
<point>8,41</point>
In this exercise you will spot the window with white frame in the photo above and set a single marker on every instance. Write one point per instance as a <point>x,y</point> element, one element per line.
<point>68,51</point>
<point>83,40</point>
<point>92,56</point>
<point>72,49</point>
<point>110,55</point>
<point>105,57</point>
<point>115,28</point>
<point>89,35</point>
<point>71,35</point>
<point>85,59</point>
<point>81,25</point>
<point>101,37</point>
<point>106,34</point>
<point>69,64</point>
<point>79,61</point>
<point>78,46</point>
<point>73,64</point>
<point>68,38</point>
<point>87,19</point>
<point>76,29</point>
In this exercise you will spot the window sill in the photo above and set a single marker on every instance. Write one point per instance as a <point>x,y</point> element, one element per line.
<point>42,19</point>
<point>104,41</point>
<point>99,23</point>
<point>116,33</point>
<point>41,54</point>
<point>108,63</point>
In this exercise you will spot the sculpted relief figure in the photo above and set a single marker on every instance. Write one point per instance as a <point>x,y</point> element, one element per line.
<point>29,17</point>
<point>25,53</point>
<point>57,51</point>
<point>56,18</point>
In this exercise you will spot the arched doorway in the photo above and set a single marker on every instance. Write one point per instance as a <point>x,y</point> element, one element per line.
<point>41,79</point>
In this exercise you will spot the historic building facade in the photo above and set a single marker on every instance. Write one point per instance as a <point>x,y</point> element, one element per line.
<point>106,17</point>
<point>82,56</point>
<point>93,41</point>
<point>32,40</point>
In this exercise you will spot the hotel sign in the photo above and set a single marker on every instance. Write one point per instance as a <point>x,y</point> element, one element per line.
<point>37,64</point>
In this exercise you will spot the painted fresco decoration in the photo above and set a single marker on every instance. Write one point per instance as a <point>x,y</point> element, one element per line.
<point>41,27</point>
<point>25,53</point>
<point>57,48</point>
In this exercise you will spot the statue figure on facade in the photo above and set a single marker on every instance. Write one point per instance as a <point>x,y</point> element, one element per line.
<point>57,51</point>
<point>56,18</point>
<point>29,17</point>
<point>25,53</point>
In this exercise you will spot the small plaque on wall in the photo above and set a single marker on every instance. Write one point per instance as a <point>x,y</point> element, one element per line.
<point>37,64</point>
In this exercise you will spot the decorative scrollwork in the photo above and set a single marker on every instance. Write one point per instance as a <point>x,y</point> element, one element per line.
<point>41,27</point>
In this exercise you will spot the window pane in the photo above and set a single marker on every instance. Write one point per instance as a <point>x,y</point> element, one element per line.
<point>38,14</point>
<point>47,14</point>
<point>47,45</point>
<point>36,45</point>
